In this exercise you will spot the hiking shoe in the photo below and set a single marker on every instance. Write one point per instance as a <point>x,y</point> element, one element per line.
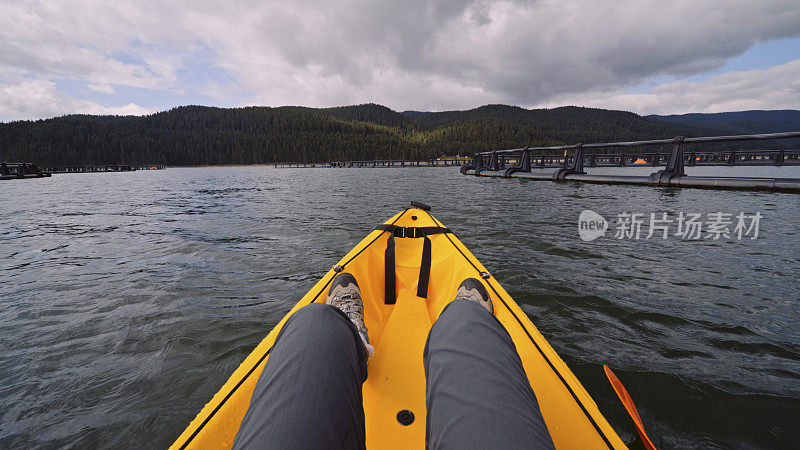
<point>345,295</point>
<point>473,290</point>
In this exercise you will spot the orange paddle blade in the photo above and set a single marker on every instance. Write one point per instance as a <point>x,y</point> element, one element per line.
<point>627,401</point>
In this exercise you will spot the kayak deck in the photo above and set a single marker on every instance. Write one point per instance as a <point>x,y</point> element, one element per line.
<point>396,379</point>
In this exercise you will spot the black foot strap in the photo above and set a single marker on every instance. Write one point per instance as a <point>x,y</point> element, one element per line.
<point>390,280</point>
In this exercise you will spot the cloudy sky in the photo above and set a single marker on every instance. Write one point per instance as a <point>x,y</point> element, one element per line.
<point>138,57</point>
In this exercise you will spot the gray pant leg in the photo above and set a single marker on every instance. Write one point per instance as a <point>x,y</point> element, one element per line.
<point>309,393</point>
<point>477,393</point>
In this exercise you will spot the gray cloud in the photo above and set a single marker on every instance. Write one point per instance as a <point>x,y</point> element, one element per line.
<point>516,52</point>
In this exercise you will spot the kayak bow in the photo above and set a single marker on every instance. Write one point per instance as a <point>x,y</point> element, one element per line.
<point>424,254</point>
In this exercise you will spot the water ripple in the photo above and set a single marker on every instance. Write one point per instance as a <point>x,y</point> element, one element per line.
<point>129,298</point>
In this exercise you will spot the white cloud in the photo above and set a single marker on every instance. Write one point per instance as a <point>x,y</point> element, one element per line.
<point>35,99</point>
<point>775,88</point>
<point>103,88</point>
<point>64,40</point>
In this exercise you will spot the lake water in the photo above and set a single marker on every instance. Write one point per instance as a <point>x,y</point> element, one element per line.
<point>127,299</point>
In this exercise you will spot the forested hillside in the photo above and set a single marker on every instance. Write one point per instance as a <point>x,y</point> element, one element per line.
<point>501,126</point>
<point>204,135</point>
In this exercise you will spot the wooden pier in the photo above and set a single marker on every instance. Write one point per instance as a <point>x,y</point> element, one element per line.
<point>571,160</point>
<point>378,163</point>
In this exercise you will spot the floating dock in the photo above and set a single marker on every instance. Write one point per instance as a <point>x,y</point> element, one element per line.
<point>16,171</point>
<point>377,163</point>
<point>102,168</point>
<point>519,163</point>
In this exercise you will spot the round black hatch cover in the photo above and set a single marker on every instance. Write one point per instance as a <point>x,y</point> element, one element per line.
<point>405,417</point>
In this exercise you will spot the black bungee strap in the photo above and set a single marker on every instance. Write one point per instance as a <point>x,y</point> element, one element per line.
<point>424,266</point>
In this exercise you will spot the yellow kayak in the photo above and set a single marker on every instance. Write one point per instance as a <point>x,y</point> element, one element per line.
<point>428,264</point>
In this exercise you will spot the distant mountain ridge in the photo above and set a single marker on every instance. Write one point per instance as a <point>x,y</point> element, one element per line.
<point>191,135</point>
<point>739,122</point>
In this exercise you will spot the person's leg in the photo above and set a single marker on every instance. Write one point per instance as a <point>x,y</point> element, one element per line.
<point>477,392</point>
<point>309,393</point>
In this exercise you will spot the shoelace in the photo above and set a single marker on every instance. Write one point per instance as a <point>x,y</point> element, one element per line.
<point>470,294</point>
<point>346,303</point>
